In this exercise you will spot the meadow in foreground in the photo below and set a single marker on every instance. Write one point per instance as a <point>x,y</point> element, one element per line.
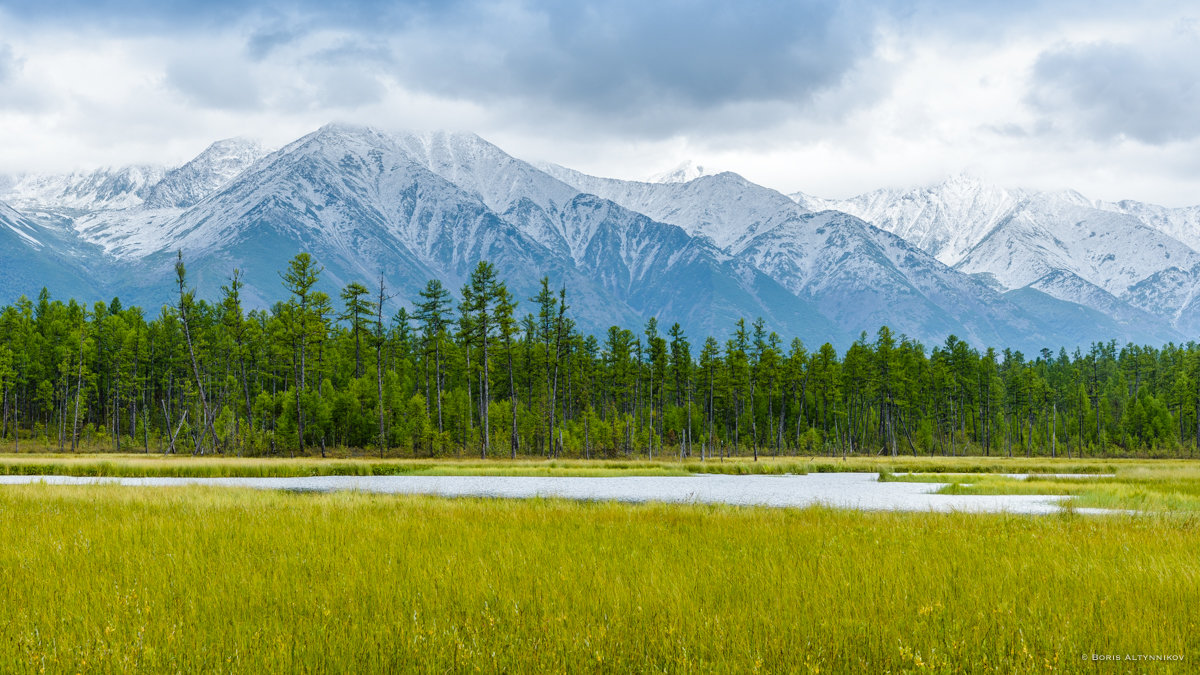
<point>103,578</point>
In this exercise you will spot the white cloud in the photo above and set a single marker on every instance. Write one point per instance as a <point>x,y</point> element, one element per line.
<point>858,98</point>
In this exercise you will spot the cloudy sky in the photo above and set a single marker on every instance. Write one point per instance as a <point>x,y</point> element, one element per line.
<point>832,98</point>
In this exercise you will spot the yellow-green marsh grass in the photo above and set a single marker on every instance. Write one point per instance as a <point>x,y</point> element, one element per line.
<point>104,578</point>
<point>136,465</point>
<point>261,467</point>
<point>1154,486</point>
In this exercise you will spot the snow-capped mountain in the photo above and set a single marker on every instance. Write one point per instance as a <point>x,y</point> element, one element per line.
<point>139,227</point>
<point>1063,232</point>
<point>945,220</point>
<point>1173,295</point>
<point>1181,223</point>
<point>365,202</point>
<point>1028,270</point>
<point>655,267</point>
<point>352,198</point>
<point>84,193</point>
<point>683,173</point>
<point>862,277</point>
<point>1126,260</point>
<point>858,275</point>
<point>108,188</point>
<point>510,187</point>
<point>724,207</point>
<point>183,187</point>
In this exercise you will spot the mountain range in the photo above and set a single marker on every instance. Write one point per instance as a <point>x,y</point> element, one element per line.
<point>997,267</point>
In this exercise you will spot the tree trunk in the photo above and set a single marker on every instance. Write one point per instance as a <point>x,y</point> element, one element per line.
<point>1054,433</point>
<point>470,415</point>
<point>515,439</point>
<point>437,376</point>
<point>187,334</point>
<point>753,423</point>
<point>78,393</point>
<point>484,395</point>
<point>558,330</point>
<point>379,369</point>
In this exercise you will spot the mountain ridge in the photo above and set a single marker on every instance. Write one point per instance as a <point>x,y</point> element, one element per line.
<point>991,265</point>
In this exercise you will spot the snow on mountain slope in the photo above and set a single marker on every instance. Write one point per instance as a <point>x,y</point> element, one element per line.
<point>363,201</point>
<point>1050,232</point>
<point>1181,223</point>
<point>665,272</point>
<point>128,234</point>
<point>687,171</point>
<point>863,278</point>
<point>855,273</point>
<point>108,188</point>
<point>1187,317</point>
<point>185,186</point>
<point>356,201</point>
<point>1018,239</point>
<point>125,211</point>
<point>352,198</point>
<point>143,229</point>
<point>19,225</point>
<point>1173,295</point>
<point>473,164</point>
<point>531,199</point>
<point>655,267</point>
<point>724,207</point>
<point>700,249</point>
<point>33,257</point>
<point>945,220</point>
<point>1131,322</point>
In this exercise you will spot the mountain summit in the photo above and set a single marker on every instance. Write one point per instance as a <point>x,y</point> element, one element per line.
<point>1126,260</point>
<point>994,266</point>
<point>684,172</point>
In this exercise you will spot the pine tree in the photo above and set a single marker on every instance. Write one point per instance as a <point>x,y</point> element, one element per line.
<point>357,309</point>
<point>302,274</point>
<point>505,309</point>
<point>433,313</point>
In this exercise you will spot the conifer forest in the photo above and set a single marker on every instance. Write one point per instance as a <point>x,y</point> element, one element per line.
<point>488,374</point>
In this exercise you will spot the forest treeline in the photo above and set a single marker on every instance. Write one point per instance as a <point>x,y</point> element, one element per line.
<point>476,374</point>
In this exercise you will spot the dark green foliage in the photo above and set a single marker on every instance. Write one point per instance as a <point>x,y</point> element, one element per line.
<point>480,373</point>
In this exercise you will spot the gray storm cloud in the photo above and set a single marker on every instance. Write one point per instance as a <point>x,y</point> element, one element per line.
<point>816,95</point>
<point>611,56</point>
<point>648,69</point>
<point>1106,90</point>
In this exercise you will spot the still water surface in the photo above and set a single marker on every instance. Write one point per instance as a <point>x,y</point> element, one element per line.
<point>840,490</point>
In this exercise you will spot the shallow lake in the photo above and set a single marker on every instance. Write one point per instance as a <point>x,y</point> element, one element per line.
<point>842,490</point>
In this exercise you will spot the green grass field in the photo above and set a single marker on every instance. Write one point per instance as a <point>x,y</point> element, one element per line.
<point>110,579</point>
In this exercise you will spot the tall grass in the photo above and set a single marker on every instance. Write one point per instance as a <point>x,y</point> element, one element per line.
<point>223,467</point>
<point>137,465</point>
<point>1162,488</point>
<point>104,579</point>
